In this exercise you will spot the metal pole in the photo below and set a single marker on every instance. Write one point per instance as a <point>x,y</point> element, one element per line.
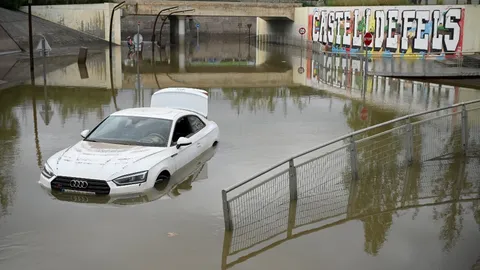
<point>198,36</point>
<point>156,19</point>
<point>226,212</point>
<point>464,129</point>
<point>44,51</point>
<point>365,72</point>
<point>292,173</point>
<point>409,142</point>
<point>138,38</point>
<point>353,158</point>
<point>30,41</point>
<point>111,24</point>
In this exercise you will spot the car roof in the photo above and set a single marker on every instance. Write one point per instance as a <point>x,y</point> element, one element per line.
<point>153,112</point>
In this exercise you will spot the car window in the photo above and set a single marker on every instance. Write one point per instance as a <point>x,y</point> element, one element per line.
<point>196,123</point>
<point>182,129</point>
<point>132,130</point>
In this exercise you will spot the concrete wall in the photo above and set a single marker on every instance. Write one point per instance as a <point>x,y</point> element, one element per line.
<point>413,30</point>
<point>208,25</point>
<point>471,40</point>
<point>217,9</point>
<point>15,23</point>
<point>396,30</point>
<point>7,44</point>
<point>92,19</point>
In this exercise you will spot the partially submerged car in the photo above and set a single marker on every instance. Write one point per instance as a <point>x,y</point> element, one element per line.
<point>180,182</point>
<point>133,149</point>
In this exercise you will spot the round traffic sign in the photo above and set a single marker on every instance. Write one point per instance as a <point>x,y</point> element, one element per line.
<point>367,39</point>
<point>301,70</point>
<point>197,25</point>
<point>302,30</point>
<point>137,38</point>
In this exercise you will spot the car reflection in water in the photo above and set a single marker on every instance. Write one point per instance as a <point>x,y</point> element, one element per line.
<point>196,170</point>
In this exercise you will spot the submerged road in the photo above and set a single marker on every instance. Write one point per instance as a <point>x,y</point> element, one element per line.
<point>180,226</point>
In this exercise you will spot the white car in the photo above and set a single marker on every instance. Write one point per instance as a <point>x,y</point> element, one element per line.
<point>180,182</point>
<point>133,149</point>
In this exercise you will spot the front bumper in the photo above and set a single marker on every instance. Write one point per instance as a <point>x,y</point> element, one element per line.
<point>113,189</point>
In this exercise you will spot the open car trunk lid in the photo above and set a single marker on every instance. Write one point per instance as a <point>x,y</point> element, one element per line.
<point>190,99</point>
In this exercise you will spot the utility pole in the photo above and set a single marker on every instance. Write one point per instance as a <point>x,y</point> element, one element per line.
<point>30,41</point>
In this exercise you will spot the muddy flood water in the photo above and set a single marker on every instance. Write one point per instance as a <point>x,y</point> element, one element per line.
<point>268,104</point>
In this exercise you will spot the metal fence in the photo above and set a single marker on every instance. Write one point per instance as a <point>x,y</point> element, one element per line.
<point>432,64</point>
<point>435,182</point>
<point>330,167</point>
<point>406,162</point>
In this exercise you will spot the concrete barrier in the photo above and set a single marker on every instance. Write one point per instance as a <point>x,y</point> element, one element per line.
<point>215,8</point>
<point>7,44</point>
<point>92,19</point>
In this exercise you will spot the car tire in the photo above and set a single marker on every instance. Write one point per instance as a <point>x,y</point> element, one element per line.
<point>163,176</point>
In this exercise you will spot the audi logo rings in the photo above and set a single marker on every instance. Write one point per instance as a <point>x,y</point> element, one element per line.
<point>78,184</point>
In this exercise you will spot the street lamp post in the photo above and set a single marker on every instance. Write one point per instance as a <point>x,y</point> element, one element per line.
<point>30,40</point>
<point>111,25</point>
<point>156,19</point>
<point>154,28</point>
<point>163,21</point>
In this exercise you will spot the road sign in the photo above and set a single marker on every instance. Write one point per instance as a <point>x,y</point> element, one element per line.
<point>364,114</point>
<point>47,46</point>
<point>302,31</point>
<point>46,113</point>
<point>138,42</point>
<point>367,39</point>
<point>301,70</point>
<point>197,25</point>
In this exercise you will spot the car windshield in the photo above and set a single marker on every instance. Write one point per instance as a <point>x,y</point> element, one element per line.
<point>132,130</point>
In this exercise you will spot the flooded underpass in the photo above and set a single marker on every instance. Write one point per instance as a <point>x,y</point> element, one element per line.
<point>269,105</point>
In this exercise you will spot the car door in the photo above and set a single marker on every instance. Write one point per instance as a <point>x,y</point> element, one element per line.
<point>185,153</point>
<point>199,136</point>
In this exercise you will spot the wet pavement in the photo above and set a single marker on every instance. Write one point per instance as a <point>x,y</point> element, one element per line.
<point>266,111</point>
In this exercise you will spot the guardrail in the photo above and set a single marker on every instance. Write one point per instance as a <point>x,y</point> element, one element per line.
<point>432,64</point>
<point>394,142</point>
<point>440,182</point>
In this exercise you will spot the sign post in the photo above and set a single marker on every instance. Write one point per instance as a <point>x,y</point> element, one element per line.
<point>367,40</point>
<point>197,25</point>
<point>302,32</point>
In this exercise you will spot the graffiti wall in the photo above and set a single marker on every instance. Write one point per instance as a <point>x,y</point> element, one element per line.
<point>402,30</point>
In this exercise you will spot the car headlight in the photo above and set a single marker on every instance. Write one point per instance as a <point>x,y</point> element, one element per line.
<point>130,179</point>
<point>47,171</point>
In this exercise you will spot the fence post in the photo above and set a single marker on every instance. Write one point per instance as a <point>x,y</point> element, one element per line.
<point>464,129</point>
<point>353,158</point>
<point>226,212</point>
<point>292,173</point>
<point>409,142</point>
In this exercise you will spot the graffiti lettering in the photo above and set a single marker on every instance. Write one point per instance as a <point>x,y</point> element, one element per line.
<point>394,30</point>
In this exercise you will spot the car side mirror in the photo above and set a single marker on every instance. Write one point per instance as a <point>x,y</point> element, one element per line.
<point>84,133</point>
<point>182,141</point>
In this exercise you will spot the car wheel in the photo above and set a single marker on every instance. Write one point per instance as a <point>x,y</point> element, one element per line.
<point>162,177</point>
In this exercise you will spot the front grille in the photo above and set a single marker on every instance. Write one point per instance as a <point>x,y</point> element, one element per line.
<point>61,183</point>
